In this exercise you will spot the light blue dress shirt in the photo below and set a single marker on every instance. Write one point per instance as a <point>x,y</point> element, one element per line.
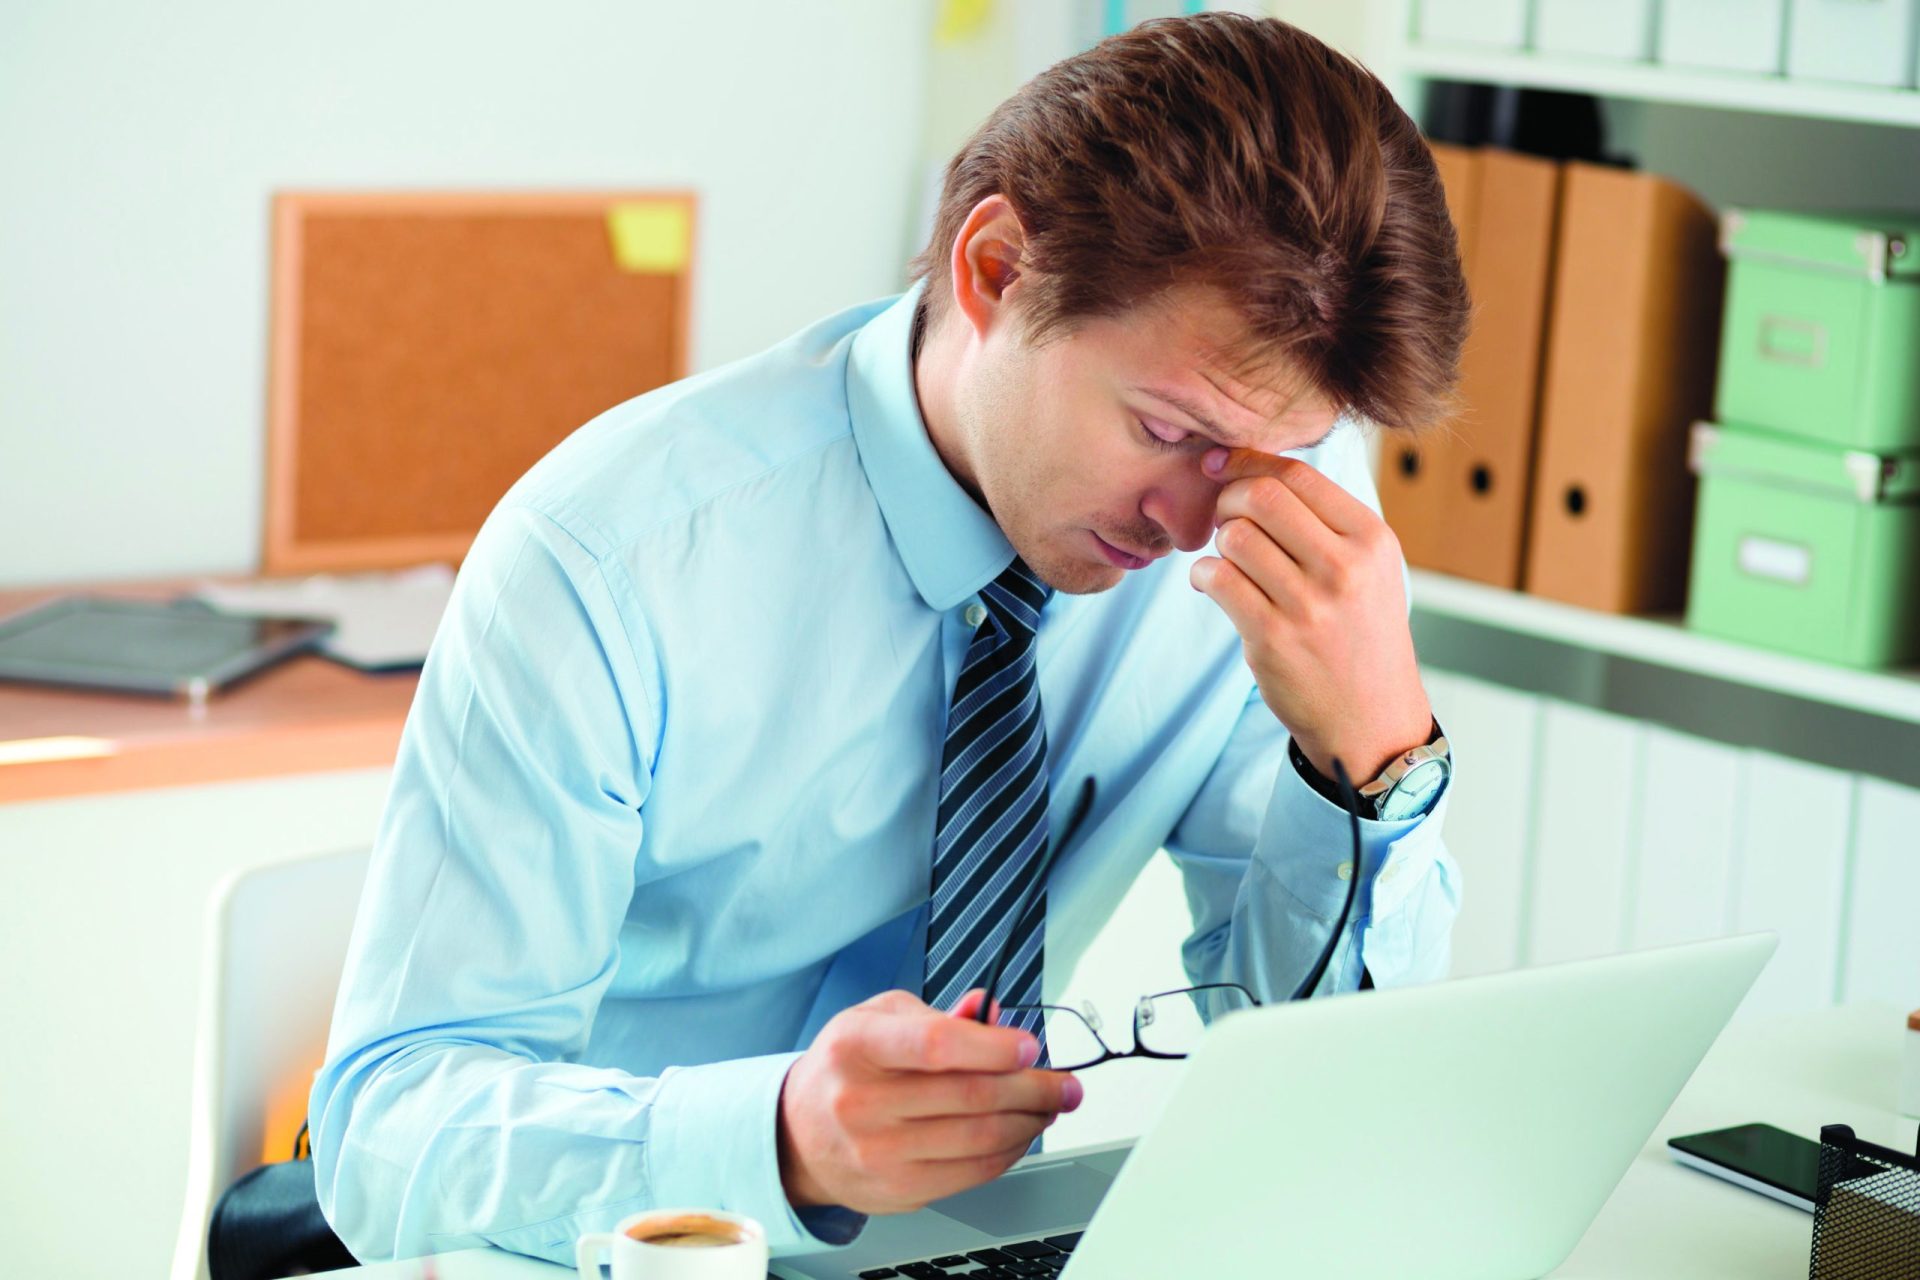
<point>665,803</point>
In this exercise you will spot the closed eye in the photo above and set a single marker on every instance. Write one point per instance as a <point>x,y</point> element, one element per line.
<point>1171,439</point>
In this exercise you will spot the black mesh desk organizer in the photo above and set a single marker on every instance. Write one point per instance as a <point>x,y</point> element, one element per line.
<point>1866,1214</point>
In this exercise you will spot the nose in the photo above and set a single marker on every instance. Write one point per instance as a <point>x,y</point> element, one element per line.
<point>1183,506</point>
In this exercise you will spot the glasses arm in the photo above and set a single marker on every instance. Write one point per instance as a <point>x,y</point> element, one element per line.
<point>1352,803</point>
<point>1080,809</point>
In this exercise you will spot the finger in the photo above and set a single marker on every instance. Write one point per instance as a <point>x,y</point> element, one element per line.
<point>1227,465</point>
<point>955,1093</point>
<point>934,1042</point>
<point>1337,509</point>
<point>969,1007</point>
<point>895,1001</point>
<point>1280,578</point>
<point>1239,597</point>
<point>965,1137</point>
<point>1276,510</point>
<point>939,1178</point>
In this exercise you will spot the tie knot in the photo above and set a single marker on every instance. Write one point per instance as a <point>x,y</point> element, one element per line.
<point>1015,599</point>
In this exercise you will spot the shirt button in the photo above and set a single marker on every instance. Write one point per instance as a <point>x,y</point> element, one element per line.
<point>1344,871</point>
<point>975,614</point>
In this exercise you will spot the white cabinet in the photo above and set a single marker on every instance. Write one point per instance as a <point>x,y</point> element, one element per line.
<point>1796,831</point>
<point>1882,937</point>
<point>1499,24</point>
<point>1856,41</point>
<point>1585,801</point>
<point>1492,732</point>
<point>1618,29</point>
<point>1724,35</point>
<point>100,935</point>
<point>1687,823</point>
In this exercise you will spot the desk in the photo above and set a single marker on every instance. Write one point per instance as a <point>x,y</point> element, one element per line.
<point>1798,1071</point>
<point>109,861</point>
<point>305,715</point>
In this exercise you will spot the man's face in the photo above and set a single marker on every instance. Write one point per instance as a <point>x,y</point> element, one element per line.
<point>1087,450</point>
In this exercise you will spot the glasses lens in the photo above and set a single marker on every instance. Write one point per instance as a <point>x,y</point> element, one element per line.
<point>1071,1042</point>
<point>1174,1022</point>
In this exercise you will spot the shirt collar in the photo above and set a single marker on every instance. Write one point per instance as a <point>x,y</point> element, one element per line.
<point>951,547</point>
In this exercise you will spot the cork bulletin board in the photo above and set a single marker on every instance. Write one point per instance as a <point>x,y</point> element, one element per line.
<point>427,348</point>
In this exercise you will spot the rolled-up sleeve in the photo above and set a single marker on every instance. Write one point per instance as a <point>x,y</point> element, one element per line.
<point>453,1108</point>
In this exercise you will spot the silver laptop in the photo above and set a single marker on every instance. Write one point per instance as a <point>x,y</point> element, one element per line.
<point>1466,1128</point>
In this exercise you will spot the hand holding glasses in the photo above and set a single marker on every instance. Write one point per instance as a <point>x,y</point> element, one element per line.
<point>1168,1024</point>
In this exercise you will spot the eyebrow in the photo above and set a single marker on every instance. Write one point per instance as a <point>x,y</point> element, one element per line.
<point>1220,434</point>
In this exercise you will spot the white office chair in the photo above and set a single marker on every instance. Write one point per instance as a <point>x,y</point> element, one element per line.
<point>275,942</point>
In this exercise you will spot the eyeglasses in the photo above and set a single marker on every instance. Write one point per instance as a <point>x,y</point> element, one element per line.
<point>1168,1024</point>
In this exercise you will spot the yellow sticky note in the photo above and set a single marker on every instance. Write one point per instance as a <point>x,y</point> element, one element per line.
<point>961,18</point>
<point>650,235</point>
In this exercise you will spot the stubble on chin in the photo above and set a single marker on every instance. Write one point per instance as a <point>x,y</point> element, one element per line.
<point>1071,576</point>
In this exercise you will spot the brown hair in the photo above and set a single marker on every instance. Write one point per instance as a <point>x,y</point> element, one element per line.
<point>1237,153</point>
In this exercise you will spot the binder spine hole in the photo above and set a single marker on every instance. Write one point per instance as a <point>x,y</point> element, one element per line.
<point>1576,500</point>
<point>1481,479</point>
<point>1409,463</point>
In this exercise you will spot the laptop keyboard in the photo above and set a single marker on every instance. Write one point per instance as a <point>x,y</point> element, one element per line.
<point>1018,1260</point>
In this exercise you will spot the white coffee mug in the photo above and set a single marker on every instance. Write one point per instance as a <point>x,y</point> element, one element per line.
<point>639,1250</point>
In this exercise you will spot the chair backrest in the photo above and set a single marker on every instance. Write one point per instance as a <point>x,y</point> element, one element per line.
<point>274,945</point>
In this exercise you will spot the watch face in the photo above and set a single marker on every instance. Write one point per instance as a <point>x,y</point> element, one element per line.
<point>1414,793</point>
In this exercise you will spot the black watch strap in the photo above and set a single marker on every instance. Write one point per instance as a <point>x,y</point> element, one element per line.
<point>1329,790</point>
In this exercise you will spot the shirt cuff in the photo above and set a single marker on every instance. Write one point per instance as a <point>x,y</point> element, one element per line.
<point>715,1145</point>
<point>1306,840</point>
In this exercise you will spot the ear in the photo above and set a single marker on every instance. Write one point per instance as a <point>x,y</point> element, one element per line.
<point>986,262</point>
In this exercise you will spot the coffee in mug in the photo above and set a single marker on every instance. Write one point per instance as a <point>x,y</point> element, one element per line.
<point>687,1231</point>
<point>677,1244</point>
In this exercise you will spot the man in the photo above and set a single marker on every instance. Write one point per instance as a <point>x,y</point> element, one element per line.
<point>761,697</point>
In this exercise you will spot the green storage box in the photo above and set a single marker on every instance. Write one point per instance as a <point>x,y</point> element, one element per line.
<point>1821,336</point>
<point>1806,548</point>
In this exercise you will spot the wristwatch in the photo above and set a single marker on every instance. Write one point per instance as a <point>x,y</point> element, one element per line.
<point>1406,788</point>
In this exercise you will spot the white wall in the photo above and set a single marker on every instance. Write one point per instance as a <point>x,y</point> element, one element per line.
<point>139,144</point>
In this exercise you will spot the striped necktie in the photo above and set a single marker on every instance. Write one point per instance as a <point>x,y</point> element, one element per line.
<point>992,820</point>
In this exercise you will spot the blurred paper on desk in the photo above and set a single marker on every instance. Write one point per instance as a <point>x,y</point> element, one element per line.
<point>382,621</point>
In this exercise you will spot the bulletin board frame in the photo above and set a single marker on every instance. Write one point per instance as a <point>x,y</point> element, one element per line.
<point>305,478</point>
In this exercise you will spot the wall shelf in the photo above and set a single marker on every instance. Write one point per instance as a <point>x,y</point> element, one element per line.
<point>1655,669</point>
<point>1665,642</point>
<point>1634,782</point>
<point>1651,82</point>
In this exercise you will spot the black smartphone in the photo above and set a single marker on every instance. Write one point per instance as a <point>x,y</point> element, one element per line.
<point>1758,1157</point>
